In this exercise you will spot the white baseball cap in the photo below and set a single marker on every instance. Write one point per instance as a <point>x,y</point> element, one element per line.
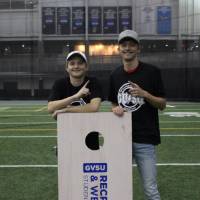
<point>128,34</point>
<point>79,53</point>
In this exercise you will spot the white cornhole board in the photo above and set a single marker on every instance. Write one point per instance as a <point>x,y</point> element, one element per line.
<point>85,174</point>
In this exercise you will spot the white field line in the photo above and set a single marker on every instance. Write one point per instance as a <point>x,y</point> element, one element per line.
<point>180,109</point>
<point>35,123</point>
<point>170,106</point>
<point>181,135</point>
<point>4,108</point>
<point>31,136</point>
<point>54,136</point>
<point>27,129</point>
<point>177,122</point>
<point>54,129</point>
<point>55,166</point>
<point>178,129</point>
<point>26,123</point>
<point>23,107</point>
<point>20,110</point>
<point>41,109</point>
<point>178,164</point>
<point>174,164</point>
<point>28,166</point>
<point>24,115</point>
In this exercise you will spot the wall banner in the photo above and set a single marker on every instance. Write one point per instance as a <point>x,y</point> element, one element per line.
<point>164,20</point>
<point>48,20</point>
<point>63,20</point>
<point>125,18</point>
<point>78,20</point>
<point>94,20</point>
<point>110,19</point>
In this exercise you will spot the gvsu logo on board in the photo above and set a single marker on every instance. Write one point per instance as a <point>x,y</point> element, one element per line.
<point>95,181</point>
<point>94,167</point>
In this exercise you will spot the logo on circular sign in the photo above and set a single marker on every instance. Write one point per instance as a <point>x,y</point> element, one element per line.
<point>127,101</point>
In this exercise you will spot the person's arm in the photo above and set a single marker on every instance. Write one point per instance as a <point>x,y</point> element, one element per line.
<point>63,103</point>
<point>93,106</point>
<point>60,104</point>
<point>157,102</point>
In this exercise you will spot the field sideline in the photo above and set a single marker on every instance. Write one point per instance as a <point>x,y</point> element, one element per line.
<point>28,165</point>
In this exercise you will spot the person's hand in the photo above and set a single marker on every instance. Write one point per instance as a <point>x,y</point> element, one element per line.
<point>136,90</point>
<point>55,114</point>
<point>119,111</point>
<point>84,91</point>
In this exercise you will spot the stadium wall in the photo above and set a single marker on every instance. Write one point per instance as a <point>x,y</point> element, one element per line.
<point>180,73</point>
<point>31,58</point>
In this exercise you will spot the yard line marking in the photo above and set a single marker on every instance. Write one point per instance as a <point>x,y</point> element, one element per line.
<point>181,109</point>
<point>31,136</point>
<point>170,106</point>
<point>54,136</point>
<point>173,164</point>
<point>55,166</point>
<point>173,135</point>
<point>178,164</point>
<point>4,108</point>
<point>197,128</point>
<point>182,114</point>
<point>27,129</point>
<point>41,109</point>
<point>26,123</point>
<point>24,115</point>
<point>35,123</point>
<point>28,166</point>
<point>179,121</point>
<point>54,129</point>
<point>20,110</point>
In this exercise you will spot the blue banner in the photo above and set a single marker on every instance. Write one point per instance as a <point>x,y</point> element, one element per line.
<point>78,20</point>
<point>164,20</point>
<point>94,20</point>
<point>48,20</point>
<point>110,20</point>
<point>125,18</point>
<point>63,20</point>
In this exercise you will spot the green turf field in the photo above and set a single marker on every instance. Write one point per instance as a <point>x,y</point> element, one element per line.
<point>28,165</point>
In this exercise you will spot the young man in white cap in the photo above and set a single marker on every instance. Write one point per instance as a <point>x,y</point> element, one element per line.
<point>137,87</point>
<point>76,92</point>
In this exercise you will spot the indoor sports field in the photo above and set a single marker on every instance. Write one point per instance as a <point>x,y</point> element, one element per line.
<point>28,166</point>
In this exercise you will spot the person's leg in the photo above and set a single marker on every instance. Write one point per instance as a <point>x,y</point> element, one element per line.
<point>145,158</point>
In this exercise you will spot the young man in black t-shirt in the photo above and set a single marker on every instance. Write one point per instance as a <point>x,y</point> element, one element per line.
<point>137,87</point>
<point>77,92</point>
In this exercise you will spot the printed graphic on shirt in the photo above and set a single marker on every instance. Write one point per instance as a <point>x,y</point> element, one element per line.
<point>79,102</point>
<point>128,102</point>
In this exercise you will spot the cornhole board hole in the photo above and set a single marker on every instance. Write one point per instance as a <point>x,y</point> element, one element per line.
<point>91,169</point>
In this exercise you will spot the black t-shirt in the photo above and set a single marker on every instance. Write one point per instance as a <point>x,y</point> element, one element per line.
<point>145,122</point>
<point>62,88</point>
